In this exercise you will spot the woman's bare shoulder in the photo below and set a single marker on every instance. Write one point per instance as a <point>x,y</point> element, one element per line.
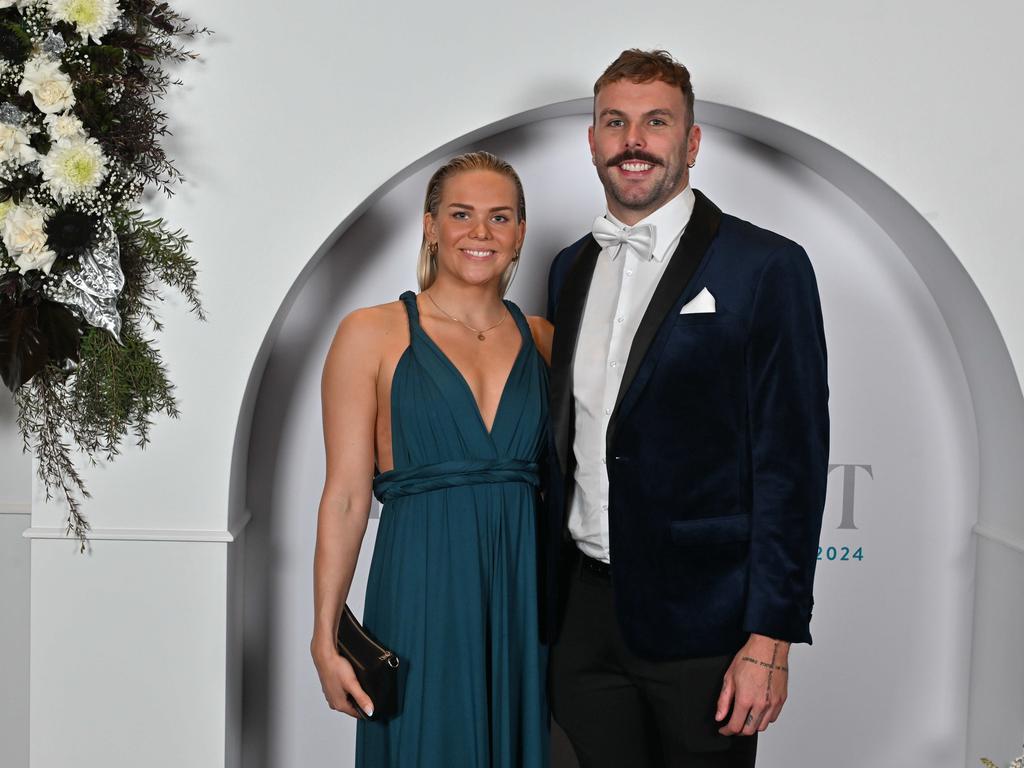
<point>542,332</point>
<point>374,323</point>
<point>368,332</point>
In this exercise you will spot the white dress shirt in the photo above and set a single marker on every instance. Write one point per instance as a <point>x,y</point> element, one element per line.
<point>621,289</point>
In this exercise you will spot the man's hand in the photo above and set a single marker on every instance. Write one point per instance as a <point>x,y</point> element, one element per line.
<point>755,686</point>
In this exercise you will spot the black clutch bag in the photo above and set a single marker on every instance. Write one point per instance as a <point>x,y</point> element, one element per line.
<point>375,666</point>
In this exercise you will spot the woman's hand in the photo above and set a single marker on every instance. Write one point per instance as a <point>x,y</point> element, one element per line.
<point>339,684</point>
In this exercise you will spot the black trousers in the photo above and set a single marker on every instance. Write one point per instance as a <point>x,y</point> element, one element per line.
<point>620,710</point>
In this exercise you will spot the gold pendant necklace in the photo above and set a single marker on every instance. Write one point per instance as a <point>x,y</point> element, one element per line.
<point>479,332</point>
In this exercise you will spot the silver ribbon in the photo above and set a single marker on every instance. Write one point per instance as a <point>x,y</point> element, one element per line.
<point>54,45</point>
<point>11,114</point>
<point>93,286</point>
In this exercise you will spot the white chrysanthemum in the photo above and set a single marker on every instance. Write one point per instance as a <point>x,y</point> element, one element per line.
<point>64,127</point>
<point>24,236</point>
<point>92,18</point>
<point>73,167</point>
<point>49,86</point>
<point>14,145</point>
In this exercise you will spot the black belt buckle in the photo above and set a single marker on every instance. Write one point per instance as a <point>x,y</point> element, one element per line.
<point>596,567</point>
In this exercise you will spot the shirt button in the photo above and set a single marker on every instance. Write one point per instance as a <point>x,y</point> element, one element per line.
<point>613,364</point>
<point>604,507</point>
<point>607,411</point>
<point>629,273</point>
<point>619,319</point>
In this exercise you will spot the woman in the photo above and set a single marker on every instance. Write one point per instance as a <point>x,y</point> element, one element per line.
<point>446,394</point>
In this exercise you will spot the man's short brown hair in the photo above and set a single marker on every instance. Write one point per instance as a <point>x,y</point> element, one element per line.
<point>645,66</point>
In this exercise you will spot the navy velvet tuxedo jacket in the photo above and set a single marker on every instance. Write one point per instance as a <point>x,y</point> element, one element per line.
<point>717,448</point>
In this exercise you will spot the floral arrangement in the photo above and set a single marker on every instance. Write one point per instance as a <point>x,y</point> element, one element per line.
<point>1018,763</point>
<point>81,266</point>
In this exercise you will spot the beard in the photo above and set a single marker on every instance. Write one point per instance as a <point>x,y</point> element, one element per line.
<point>642,197</point>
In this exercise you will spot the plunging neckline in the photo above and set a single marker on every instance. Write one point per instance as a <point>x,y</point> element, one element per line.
<point>489,431</point>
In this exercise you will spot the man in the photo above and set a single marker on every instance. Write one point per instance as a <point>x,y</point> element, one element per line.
<point>690,430</point>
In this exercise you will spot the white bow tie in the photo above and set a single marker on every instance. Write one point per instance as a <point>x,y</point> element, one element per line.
<point>639,239</point>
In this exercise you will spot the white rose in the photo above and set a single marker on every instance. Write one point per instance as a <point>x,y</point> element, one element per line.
<point>92,18</point>
<point>14,145</point>
<point>37,259</point>
<point>25,238</point>
<point>49,86</point>
<point>64,126</point>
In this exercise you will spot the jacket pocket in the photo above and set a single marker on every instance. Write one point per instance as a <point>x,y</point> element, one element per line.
<point>701,318</point>
<point>711,530</point>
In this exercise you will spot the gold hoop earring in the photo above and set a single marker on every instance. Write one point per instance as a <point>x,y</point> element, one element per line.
<point>515,269</point>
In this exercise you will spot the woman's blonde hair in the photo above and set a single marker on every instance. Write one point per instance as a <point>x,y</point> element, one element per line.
<point>426,268</point>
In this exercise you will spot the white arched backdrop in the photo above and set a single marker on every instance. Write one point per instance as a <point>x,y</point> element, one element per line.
<point>924,403</point>
<point>295,114</point>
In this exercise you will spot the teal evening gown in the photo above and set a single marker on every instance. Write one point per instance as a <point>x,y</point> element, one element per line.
<point>452,587</point>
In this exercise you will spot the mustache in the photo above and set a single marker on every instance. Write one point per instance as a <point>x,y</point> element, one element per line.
<point>636,154</point>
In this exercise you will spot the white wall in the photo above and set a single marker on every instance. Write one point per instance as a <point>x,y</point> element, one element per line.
<point>15,508</point>
<point>294,116</point>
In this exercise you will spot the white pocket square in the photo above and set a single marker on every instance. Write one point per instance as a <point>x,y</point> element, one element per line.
<point>703,302</point>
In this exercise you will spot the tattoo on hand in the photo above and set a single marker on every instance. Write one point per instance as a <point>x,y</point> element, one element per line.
<point>768,688</point>
<point>764,664</point>
<point>771,666</point>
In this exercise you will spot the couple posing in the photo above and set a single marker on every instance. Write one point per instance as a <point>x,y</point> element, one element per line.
<point>683,452</point>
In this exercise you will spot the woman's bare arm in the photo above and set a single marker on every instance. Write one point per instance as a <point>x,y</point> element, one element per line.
<point>349,396</point>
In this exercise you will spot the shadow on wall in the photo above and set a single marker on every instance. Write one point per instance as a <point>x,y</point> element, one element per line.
<point>336,283</point>
<point>341,281</point>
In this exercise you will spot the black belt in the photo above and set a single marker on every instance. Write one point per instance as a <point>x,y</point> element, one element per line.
<point>596,567</point>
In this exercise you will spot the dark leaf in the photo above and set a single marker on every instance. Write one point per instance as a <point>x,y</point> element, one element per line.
<point>40,142</point>
<point>15,44</point>
<point>32,333</point>
<point>105,59</point>
<point>24,348</point>
<point>17,186</point>
<point>10,285</point>
<point>62,329</point>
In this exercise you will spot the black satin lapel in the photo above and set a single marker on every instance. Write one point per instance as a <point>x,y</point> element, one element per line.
<point>568,316</point>
<point>699,233</point>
